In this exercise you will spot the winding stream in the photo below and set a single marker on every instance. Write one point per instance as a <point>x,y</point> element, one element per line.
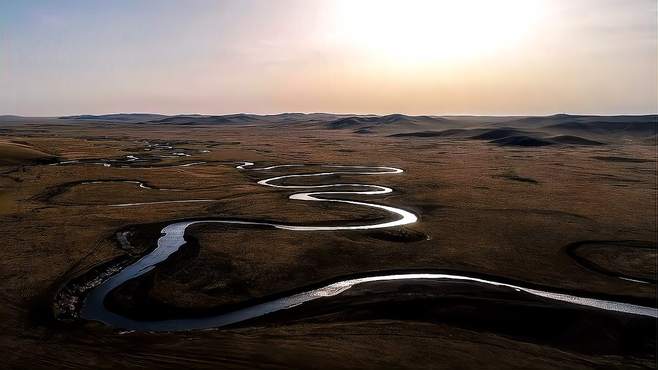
<point>173,238</point>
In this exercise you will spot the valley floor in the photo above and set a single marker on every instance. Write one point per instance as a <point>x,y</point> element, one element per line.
<point>572,218</point>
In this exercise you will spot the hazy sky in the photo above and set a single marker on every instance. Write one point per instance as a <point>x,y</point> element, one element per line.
<point>350,56</point>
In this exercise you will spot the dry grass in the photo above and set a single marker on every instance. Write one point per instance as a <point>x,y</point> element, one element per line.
<point>478,219</point>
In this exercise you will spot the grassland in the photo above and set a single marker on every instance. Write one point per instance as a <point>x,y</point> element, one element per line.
<point>486,206</point>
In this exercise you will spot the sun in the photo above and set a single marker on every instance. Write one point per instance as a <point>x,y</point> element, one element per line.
<point>435,30</point>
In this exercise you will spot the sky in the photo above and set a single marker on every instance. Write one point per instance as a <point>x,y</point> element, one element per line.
<point>505,57</point>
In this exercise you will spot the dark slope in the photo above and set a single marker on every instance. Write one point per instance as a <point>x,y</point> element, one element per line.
<point>500,133</point>
<point>540,120</point>
<point>520,140</point>
<point>574,140</point>
<point>606,127</point>
<point>302,117</point>
<point>357,121</point>
<point>651,140</point>
<point>18,153</point>
<point>503,137</point>
<point>391,121</point>
<point>635,126</point>
<point>444,133</point>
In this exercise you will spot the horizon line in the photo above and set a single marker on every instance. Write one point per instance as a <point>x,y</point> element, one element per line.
<point>337,113</point>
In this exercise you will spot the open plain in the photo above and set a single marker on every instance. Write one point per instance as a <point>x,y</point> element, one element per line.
<point>562,204</point>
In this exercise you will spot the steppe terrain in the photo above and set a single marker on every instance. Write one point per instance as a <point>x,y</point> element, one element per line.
<point>563,203</point>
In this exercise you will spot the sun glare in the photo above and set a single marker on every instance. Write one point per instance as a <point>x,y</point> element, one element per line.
<point>417,31</point>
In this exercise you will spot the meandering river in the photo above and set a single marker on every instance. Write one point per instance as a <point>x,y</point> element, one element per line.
<point>173,238</point>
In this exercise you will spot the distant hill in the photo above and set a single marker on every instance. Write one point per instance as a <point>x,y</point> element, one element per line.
<point>541,120</point>
<point>210,120</point>
<point>120,117</point>
<point>626,125</point>
<point>605,127</point>
<point>391,121</point>
<point>302,117</point>
<point>9,118</point>
<point>243,118</point>
<point>565,129</point>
